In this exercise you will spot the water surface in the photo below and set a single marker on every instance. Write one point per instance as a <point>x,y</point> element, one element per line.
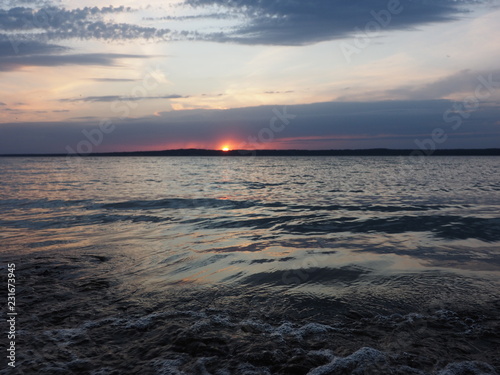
<point>255,265</point>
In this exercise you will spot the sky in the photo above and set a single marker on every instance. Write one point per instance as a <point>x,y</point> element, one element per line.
<point>102,76</point>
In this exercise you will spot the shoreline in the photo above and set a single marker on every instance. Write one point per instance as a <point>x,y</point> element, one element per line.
<point>87,320</point>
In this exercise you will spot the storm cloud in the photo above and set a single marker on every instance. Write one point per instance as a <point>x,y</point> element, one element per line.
<point>281,22</point>
<point>290,22</point>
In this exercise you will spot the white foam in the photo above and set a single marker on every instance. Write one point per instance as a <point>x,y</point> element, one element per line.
<point>143,322</point>
<point>222,320</point>
<point>314,328</point>
<point>256,326</point>
<point>215,320</point>
<point>288,329</point>
<point>356,361</point>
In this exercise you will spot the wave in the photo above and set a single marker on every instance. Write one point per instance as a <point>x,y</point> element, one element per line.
<point>446,227</point>
<point>216,203</point>
<point>69,221</point>
<point>277,216</point>
<point>15,204</point>
<point>326,275</point>
<point>230,214</point>
<point>178,203</point>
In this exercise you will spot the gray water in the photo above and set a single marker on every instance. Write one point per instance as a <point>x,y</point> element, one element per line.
<point>227,265</point>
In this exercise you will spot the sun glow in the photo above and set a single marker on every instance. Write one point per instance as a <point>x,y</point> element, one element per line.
<point>225,148</point>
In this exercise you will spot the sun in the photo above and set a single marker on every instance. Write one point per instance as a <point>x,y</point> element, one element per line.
<point>225,148</point>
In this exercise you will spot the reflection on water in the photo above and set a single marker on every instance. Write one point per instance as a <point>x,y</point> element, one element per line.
<point>231,220</point>
<point>265,241</point>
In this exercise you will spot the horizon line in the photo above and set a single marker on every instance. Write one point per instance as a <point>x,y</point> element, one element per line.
<point>278,152</point>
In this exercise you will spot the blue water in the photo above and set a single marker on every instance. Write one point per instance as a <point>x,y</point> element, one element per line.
<point>328,241</point>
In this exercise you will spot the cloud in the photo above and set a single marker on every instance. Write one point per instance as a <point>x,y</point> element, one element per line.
<point>114,98</point>
<point>16,54</point>
<point>279,22</point>
<point>218,16</point>
<point>2,103</point>
<point>54,23</point>
<point>212,95</point>
<point>392,124</point>
<point>278,92</point>
<point>465,81</point>
<point>113,79</point>
<point>292,22</point>
<point>11,48</point>
<point>10,63</point>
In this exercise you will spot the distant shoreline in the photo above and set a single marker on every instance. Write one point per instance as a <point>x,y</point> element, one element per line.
<point>204,152</point>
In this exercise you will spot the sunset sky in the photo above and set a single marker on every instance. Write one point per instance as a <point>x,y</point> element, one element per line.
<point>95,76</point>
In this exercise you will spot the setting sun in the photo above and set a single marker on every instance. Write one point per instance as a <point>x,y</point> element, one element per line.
<point>225,148</point>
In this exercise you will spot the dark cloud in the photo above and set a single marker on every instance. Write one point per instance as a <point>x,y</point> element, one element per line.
<point>392,124</point>
<point>292,22</point>
<point>278,22</point>
<point>10,63</point>
<point>15,54</point>
<point>11,48</point>
<point>114,98</point>
<point>1,103</point>
<point>36,3</point>
<point>54,23</point>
